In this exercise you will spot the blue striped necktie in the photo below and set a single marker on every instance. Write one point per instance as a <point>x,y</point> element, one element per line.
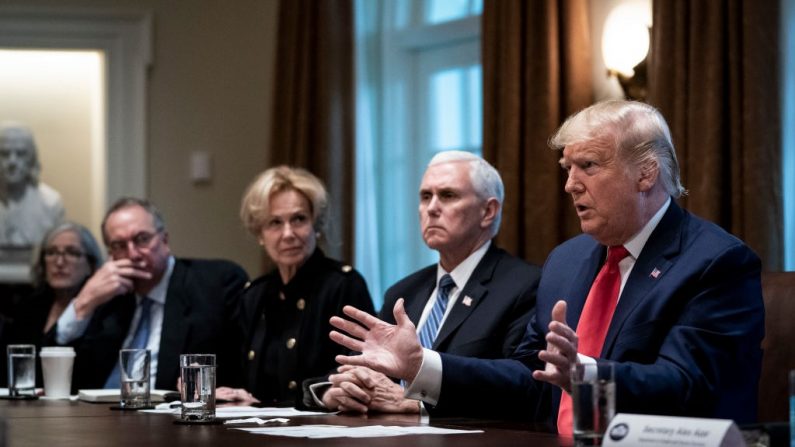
<point>139,341</point>
<point>431,326</point>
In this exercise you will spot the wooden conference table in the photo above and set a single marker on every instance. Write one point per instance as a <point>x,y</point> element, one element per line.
<point>53,423</point>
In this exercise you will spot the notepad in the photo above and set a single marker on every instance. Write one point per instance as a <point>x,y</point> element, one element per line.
<point>113,395</point>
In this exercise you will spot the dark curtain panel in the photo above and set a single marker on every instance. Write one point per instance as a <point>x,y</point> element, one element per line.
<point>714,76</point>
<point>536,72</point>
<point>313,117</point>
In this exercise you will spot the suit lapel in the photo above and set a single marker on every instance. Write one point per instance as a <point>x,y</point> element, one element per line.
<point>471,295</point>
<point>173,336</point>
<point>415,304</point>
<point>654,261</point>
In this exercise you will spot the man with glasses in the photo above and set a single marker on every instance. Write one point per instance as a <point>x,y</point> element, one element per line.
<point>143,297</point>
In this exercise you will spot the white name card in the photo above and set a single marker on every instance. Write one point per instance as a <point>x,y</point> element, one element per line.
<point>658,431</point>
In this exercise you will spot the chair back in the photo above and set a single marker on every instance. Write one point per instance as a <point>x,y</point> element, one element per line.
<point>778,289</point>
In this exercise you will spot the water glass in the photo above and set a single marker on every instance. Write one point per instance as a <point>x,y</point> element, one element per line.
<point>21,370</point>
<point>197,372</point>
<point>594,401</point>
<point>134,370</point>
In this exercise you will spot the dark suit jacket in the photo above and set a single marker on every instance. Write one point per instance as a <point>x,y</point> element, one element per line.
<point>502,289</point>
<point>685,337</point>
<point>285,326</point>
<point>199,300</point>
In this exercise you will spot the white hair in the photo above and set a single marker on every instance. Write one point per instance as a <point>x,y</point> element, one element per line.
<point>486,181</point>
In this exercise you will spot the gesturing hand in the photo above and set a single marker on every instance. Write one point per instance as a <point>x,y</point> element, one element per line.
<point>393,350</point>
<point>561,350</point>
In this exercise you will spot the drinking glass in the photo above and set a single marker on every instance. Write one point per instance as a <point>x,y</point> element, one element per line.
<point>134,370</point>
<point>21,370</point>
<point>594,401</point>
<point>197,372</point>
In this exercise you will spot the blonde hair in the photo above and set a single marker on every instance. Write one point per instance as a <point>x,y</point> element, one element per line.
<point>255,206</point>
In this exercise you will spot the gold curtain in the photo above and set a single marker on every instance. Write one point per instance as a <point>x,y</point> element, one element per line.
<point>714,76</point>
<point>313,111</point>
<point>536,72</point>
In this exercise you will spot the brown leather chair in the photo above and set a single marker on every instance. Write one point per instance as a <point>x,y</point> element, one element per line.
<point>778,289</point>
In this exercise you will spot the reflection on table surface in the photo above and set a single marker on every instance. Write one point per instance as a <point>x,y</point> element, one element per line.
<point>73,423</point>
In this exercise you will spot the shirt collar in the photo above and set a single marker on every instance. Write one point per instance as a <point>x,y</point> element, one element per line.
<point>464,270</point>
<point>635,245</point>
<point>158,293</point>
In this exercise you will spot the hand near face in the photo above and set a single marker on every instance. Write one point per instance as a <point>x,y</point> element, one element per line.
<point>115,277</point>
<point>362,389</point>
<point>393,350</point>
<point>561,350</point>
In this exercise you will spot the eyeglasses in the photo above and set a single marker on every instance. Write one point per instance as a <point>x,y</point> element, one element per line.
<point>68,254</point>
<point>141,241</point>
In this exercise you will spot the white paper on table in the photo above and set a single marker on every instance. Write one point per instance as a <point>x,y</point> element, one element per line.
<point>258,421</point>
<point>341,431</point>
<point>243,412</point>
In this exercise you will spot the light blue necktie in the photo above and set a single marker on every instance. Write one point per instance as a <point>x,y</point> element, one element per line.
<point>141,336</point>
<point>431,326</point>
<point>139,340</point>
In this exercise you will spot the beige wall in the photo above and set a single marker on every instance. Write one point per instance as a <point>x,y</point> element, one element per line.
<point>59,96</point>
<point>209,90</point>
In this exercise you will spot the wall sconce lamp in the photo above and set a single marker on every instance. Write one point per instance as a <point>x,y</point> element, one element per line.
<point>625,45</point>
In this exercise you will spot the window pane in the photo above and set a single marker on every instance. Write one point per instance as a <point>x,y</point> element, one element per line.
<point>437,11</point>
<point>446,107</point>
<point>475,109</point>
<point>476,7</point>
<point>413,101</point>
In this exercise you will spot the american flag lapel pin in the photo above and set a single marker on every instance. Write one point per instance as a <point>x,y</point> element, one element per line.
<point>467,301</point>
<point>655,273</point>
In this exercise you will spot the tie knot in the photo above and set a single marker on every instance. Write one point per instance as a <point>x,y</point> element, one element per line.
<point>146,303</point>
<point>446,283</point>
<point>616,253</point>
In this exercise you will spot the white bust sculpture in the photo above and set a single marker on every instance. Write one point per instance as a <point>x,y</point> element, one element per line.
<point>28,207</point>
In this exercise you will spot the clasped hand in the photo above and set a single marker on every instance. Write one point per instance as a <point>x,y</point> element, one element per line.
<point>360,389</point>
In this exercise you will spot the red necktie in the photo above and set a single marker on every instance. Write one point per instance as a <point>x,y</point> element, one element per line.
<point>594,321</point>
